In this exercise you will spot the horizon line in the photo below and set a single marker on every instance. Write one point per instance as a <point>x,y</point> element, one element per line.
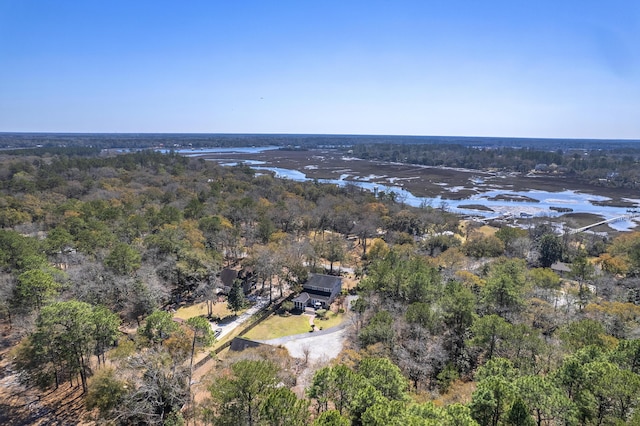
<point>4,133</point>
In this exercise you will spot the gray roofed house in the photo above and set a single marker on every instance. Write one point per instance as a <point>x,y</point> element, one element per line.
<point>319,291</point>
<point>301,300</point>
<point>561,268</point>
<point>564,269</point>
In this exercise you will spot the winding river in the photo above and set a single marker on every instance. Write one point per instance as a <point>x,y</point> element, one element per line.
<point>532,203</point>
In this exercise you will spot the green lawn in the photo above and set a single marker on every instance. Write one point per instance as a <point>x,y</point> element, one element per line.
<point>273,327</point>
<point>278,326</point>
<point>332,320</point>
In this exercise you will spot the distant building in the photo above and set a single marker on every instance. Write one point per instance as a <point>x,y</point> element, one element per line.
<point>245,275</point>
<point>564,270</point>
<point>319,291</point>
<point>561,269</point>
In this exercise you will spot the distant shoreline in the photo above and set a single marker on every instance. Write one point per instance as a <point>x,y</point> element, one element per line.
<point>185,140</point>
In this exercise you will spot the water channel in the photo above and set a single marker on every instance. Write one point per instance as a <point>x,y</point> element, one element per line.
<point>534,203</point>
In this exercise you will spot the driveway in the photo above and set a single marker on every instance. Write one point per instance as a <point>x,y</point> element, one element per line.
<point>228,327</point>
<point>322,345</point>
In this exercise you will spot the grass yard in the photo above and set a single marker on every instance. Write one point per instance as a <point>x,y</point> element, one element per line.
<point>332,320</point>
<point>278,326</point>
<point>219,309</point>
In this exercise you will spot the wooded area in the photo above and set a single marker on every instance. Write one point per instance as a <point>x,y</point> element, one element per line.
<point>455,324</point>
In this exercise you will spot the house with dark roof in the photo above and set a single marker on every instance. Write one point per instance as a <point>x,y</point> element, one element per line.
<point>319,291</point>
<point>245,275</point>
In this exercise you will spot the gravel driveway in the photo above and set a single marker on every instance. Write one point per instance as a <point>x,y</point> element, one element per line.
<point>323,345</point>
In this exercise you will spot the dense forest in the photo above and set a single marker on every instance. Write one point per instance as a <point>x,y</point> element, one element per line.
<point>454,323</point>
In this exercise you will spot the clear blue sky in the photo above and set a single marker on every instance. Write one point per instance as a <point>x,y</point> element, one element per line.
<point>523,68</point>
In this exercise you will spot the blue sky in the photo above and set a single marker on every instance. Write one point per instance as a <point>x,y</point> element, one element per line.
<point>518,68</point>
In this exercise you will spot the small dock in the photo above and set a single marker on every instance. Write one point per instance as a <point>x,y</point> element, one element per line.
<point>627,216</point>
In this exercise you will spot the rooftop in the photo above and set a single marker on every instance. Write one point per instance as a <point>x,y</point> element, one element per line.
<point>326,282</point>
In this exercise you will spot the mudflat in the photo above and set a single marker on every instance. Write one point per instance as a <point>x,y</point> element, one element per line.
<point>423,181</point>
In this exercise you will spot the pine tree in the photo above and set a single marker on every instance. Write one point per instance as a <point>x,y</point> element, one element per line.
<point>236,300</point>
